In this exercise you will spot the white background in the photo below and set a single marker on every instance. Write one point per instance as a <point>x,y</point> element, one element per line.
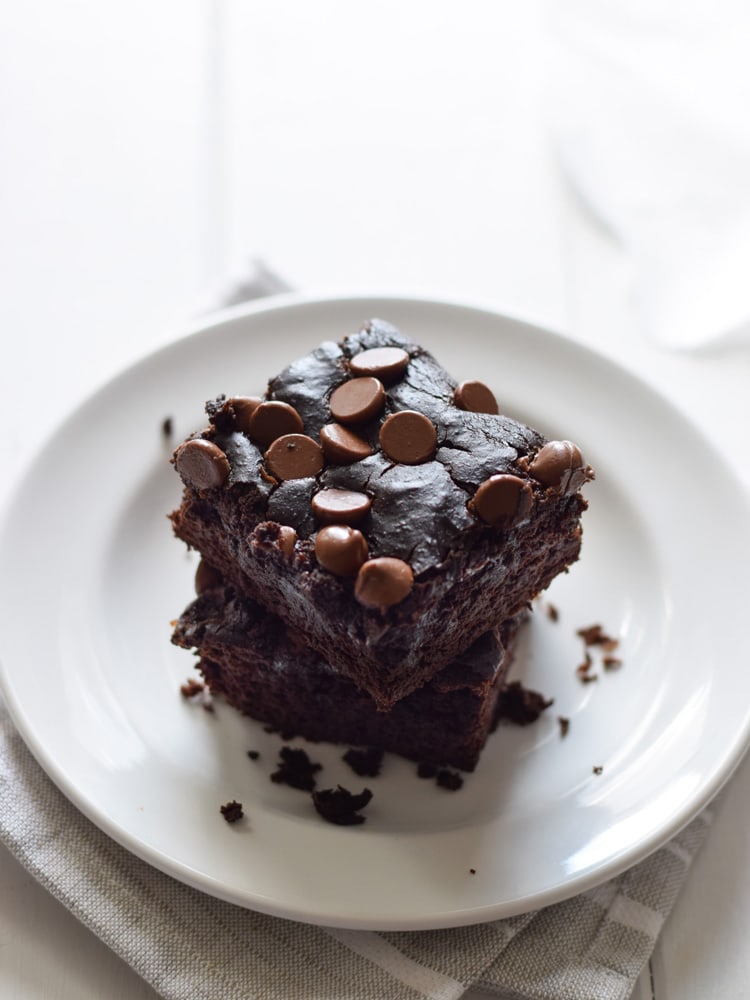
<point>149,151</point>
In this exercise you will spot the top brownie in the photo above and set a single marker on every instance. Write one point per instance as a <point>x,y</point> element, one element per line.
<point>387,514</point>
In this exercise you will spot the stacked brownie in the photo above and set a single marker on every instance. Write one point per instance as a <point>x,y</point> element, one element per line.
<point>371,536</point>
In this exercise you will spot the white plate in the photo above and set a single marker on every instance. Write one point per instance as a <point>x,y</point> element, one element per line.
<point>91,578</point>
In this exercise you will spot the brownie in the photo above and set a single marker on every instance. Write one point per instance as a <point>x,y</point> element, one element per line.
<point>387,515</point>
<point>248,656</point>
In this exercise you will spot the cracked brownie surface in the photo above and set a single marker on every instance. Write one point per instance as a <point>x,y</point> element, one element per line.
<point>366,504</point>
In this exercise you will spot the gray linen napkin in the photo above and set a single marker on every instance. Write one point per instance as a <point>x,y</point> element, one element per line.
<point>190,946</point>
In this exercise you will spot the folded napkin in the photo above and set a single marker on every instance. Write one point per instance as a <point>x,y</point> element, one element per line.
<point>189,946</point>
<point>648,104</point>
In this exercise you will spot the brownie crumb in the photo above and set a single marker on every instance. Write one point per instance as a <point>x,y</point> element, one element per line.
<point>253,754</point>
<point>611,663</point>
<point>191,688</point>
<point>232,811</point>
<point>594,635</point>
<point>339,806</point>
<point>598,769</point>
<point>450,780</point>
<point>167,427</point>
<point>365,763</point>
<point>552,613</point>
<point>426,770</point>
<point>520,705</point>
<point>295,769</point>
<point>197,693</point>
<point>584,670</point>
<point>564,724</point>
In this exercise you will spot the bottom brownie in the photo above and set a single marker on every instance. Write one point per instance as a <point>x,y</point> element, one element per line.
<point>248,656</point>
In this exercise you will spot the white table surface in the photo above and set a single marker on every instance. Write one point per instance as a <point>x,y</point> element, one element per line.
<point>151,150</point>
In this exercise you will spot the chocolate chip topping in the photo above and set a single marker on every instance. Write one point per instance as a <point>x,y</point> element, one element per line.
<point>419,512</point>
<point>287,540</point>
<point>502,500</point>
<point>340,549</point>
<point>294,456</point>
<point>243,407</point>
<point>273,419</point>
<point>475,397</point>
<point>559,463</point>
<point>206,577</point>
<point>358,400</point>
<point>342,446</point>
<point>383,582</point>
<point>334,506</point>
<point>202,464</point>
<point>386,363</point>
<point>408,437</point>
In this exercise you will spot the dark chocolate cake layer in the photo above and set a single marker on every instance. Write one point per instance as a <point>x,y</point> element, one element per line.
<point>368,504</point>
<point>251,659</point>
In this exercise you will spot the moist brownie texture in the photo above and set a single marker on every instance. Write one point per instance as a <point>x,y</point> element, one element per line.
<point>388,516</point>
<point>248,656</point>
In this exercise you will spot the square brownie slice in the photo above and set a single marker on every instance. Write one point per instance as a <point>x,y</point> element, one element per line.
<point>248,656</point>
<point>386,514</point>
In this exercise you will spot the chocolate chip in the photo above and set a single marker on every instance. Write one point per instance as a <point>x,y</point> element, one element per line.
<point>342,446</point>
<point>294,456</point>
<point>475,397</point>
<point>383,582</point>
<point>386,363</point>
<point>206,577</point>
<point>408,437</point>
<point>202,464</point>
<point>559,463</point>
<point>287,540</point>
<point>272,420</point>
<point>334,506</point>
<point>340,549</point>
<point>243,408</point>
<point>502,500</point>
<point>357,400</point>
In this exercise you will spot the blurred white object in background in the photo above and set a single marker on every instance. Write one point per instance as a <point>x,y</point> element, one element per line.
<point>649,105</point>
